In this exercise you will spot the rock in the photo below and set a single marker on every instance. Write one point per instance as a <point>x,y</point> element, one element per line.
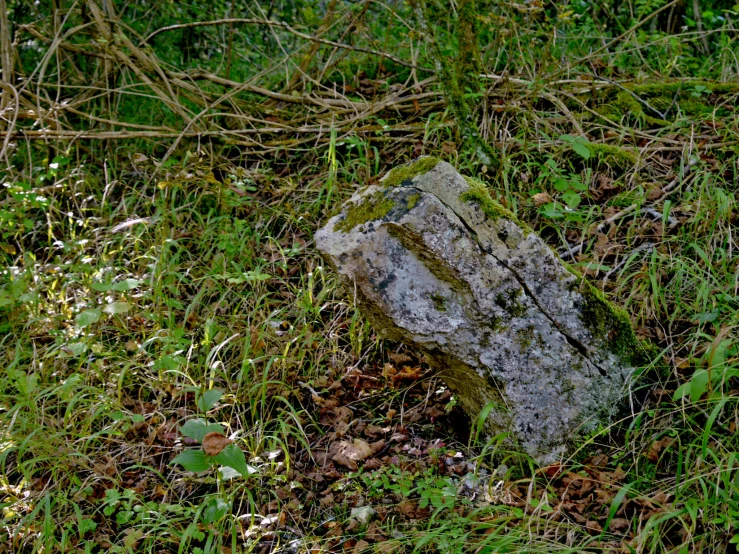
<point>363,515</point>
<point>522,340</point>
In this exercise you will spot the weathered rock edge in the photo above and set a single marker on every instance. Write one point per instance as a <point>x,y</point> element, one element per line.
<point>435,263</point>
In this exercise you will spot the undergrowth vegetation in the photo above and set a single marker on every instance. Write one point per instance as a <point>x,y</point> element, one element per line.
<point>181,372</point>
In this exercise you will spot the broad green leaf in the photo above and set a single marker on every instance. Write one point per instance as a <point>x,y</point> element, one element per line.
<point>101,287</point>
<point>228,473</point>
<point>192,460</point>
<point>550,210</point>
<point>698,384</point>
<point>561,184</point>
<point>215,510</point>
<point>117,308</point>
<point>577,184</point>
<point>86,524</point>
<point>69,386</point>
<point>594,266</point>
<point>26,383</point>
<point>75,349</point>
<point>581,149</point>
<point>232,456</point>
<point>167,363</point>
<point>88,317</point>
<point>60,160</point>
<point>209,399</point>
<point>196,429</point>
<point>126,284</point>
<point>682,391</point>
<point>571,198</point>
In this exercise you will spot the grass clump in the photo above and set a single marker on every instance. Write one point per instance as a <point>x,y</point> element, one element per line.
<point>613,155</point>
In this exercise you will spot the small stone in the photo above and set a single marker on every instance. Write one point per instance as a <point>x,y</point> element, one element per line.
<point>363,515</point>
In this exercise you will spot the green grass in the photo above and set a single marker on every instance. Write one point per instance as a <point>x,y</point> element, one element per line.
<point>150,288</point>
<point>115,336</point>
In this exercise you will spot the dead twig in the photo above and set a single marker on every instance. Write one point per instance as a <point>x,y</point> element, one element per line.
<point>571,251</point>
<point>289,29</point>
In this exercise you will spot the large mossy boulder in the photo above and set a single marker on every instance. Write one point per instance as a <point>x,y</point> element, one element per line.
<point>435,263</point>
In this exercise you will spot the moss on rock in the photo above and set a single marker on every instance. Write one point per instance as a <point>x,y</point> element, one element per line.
<point>612,324</point>
<point>375,206</point>
<point>478,193</point>
<point>510,302</point>
<point>403,175</point>
<point>413,200</point>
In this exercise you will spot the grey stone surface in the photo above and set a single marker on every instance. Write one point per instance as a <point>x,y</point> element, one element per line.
<point>436,264</point>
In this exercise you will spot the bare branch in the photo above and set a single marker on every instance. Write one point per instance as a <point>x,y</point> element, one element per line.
<point>289,29</point>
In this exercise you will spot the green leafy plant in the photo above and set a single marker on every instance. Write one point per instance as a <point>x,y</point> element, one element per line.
<point>431,489</point>
<point>699,91</point>
<point>570,187</point>
<point>712,375</point>
<point>216,449</point>
<point>578,144</point>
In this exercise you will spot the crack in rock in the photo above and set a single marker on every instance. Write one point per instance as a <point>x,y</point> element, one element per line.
<point>580,347</point>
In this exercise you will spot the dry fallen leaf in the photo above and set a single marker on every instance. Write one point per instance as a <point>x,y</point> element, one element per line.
<point>619,525</point>
<point>373,463</point>
<point>661,497</point>
<point>593,526</point>
<point>407,508</point>
<point>375,430</point>
<point>553,470</point>
<point>400,359</point>
<point>407,374</point>
<point>656,448</point>
<point>388,371</point>
<point>542,198</point>
<point>360,547</point>
<point>214,443</point>
<point>377,446</point>
<point>449,147</point>
<point>375,533</point>
<point>349,453</point>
